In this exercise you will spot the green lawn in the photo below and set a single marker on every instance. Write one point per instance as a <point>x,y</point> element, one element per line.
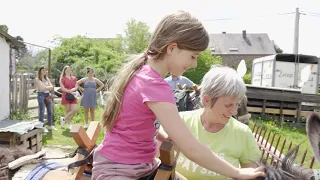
<point>294,135</point>
<point>62,136</point>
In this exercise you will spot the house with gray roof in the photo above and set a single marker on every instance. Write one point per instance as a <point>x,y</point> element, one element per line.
<point>235,47</point>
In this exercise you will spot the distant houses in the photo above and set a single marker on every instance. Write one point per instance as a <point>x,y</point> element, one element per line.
<point>235,47</point>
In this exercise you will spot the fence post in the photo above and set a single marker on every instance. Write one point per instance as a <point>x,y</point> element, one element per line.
<point>15,92</point>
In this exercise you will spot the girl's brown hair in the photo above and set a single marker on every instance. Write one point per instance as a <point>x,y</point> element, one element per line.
<point>63,73</point>
<point>181,28</point>
<point>39,74</point>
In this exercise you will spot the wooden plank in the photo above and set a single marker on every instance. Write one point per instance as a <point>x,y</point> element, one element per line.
<point>15,92</point>
<point>34,149</point>
<point>273,104</point>
<point>167,153</point>
<point>39,142</point>
<point>80,136</point>
<point>281,111</point>
<point>299,112</point>
<point>281,108</point>
<point>167,157</point>
<point>264,107</point>
<point>85,140</point>
<point>277,111</point>
<point>33,141</point>
<point>283,96</point>
<point>29,134</point>
<point>20,94</point>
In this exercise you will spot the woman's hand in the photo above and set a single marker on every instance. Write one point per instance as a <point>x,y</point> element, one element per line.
<point>251,173</point>
<point>81,89</point>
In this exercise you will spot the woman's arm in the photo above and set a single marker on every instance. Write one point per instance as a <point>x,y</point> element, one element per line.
<point>36,81</point>
<point>169,118</point>
<point>79,83</point>
<point>63,88</point>
<point>41,86</point>
<point>49,86</point>
<point>101,85</point>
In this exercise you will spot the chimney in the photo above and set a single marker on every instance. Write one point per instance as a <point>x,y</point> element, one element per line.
<point>244,34</point>
<point>223,32</point>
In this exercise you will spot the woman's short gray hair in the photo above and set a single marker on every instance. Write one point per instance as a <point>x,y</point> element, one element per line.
<point>222,81</point>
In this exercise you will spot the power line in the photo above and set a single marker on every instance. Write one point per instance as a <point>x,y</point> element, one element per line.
<point>250,17</point>
<point>313,13</point>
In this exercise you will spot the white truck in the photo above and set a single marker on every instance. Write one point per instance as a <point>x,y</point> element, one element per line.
<point>284,71</point>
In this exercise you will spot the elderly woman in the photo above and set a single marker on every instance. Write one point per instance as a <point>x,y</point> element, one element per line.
<point>213,125</point>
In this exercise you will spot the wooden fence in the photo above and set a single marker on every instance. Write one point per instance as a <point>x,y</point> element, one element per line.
<point>19,92</point>
<point>285,104</point>
<point>273,147</point>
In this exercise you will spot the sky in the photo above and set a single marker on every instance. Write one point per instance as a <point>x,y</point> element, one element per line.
<point>39,21</point>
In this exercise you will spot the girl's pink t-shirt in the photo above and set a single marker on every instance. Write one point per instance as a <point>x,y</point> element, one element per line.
<point>133,137</point>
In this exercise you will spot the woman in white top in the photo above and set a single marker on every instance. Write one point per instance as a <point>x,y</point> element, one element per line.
<point>43,87</point>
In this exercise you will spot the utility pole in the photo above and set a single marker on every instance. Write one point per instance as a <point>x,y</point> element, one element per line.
<point>296,33</point>
<point>296,49</point>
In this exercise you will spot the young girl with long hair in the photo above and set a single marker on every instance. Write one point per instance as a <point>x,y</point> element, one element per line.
<point>140,100</point>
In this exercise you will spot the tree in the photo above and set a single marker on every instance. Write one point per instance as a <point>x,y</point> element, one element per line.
<point>21,51</point>
<point>137,36</point>
<point>205,61</point>
<point>104,55</point>
<point>4,28</point>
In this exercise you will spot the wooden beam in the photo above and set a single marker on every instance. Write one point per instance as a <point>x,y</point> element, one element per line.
<point>85,140</point>
<point>278,111</point>
<point>168,158</point>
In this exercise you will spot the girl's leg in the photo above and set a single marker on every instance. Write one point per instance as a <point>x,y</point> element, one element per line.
<point>41,107</point>
<point>105,169</point>
<point>73,111</point>
<point>86,112</point>
<point>49,107</point>
<point>67,108</point>
<point>92,114</point>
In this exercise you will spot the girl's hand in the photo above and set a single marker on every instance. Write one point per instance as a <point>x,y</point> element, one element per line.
<point>251,173</point>
<point>81,89</point>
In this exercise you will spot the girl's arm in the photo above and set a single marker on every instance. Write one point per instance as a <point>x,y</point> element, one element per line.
<point>36,81</point>
<point>49,86</point>
<point>78,85</point>
<point>41,86</point>
<point>162,135</point>
<point>101,85</point>
<point>63,88</point>
<point>167,114</point>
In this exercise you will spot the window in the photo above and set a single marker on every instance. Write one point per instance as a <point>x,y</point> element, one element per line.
<point>233,49</point>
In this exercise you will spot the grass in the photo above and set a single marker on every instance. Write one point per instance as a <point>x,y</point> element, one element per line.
<point>295,135</point>
<point>62,136</point>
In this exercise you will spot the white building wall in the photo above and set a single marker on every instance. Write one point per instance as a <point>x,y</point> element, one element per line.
<point>4,79</point>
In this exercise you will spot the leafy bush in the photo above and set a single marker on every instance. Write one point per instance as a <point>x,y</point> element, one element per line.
<point>19,116</point>
<point>205,61</point>
<point>247,78</point>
